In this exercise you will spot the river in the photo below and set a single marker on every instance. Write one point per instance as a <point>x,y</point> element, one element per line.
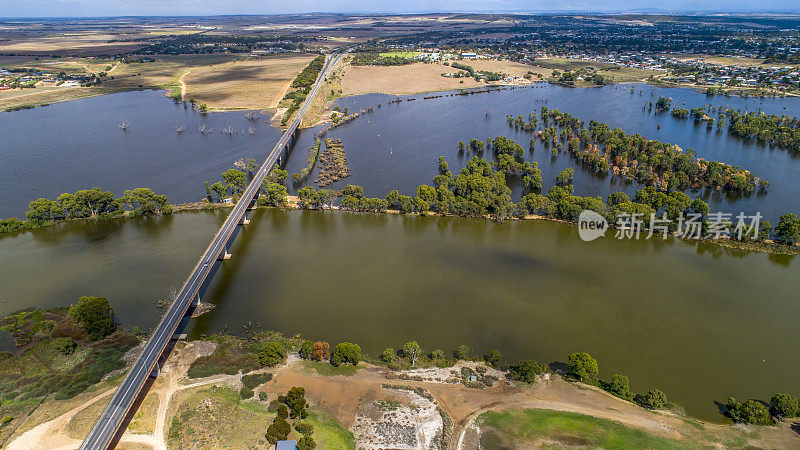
<point>398,145</point>
<point>79,144</point>
<point>699,324</point>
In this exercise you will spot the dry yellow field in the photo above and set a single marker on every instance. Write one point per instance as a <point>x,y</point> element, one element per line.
<point>89,44</point>
<point>508,67</point>
<point>248,84</point>
<point>161,74</point>
<point>410,79</point>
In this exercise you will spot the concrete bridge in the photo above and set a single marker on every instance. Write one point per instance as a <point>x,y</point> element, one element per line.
<point>109,425</point>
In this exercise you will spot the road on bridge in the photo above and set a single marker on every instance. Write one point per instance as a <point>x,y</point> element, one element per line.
<point>110,420</point>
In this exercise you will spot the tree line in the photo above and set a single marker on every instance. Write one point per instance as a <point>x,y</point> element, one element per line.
<point>481,190</point>
<point>633,157</point>
<point>87,203</point>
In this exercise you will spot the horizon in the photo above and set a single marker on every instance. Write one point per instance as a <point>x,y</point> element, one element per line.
<point>96,9</point>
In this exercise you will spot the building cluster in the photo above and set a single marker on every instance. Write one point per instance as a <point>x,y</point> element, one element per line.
<point>698,71</point>
<point>29,78</point>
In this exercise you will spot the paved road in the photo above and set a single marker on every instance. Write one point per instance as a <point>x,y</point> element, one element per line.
<point>108,423</point>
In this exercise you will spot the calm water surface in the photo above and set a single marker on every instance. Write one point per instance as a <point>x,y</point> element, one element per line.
<point>78,145</point>
<point>699,324</point>
<point>398,145</point>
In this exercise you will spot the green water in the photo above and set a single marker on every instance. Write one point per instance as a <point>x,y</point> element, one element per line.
<point>700,324</point>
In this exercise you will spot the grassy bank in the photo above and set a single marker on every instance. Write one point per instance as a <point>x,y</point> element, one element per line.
<point>537,427</point>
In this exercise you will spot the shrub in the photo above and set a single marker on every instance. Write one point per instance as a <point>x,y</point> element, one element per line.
<point>583,366</point>
<point>263,396</point>
<point>296,402</point>
<point>5,420</point>
<point>346,353</point>
<point>65,345</point>
<point>784,405</point>
<point>462,352</point>
<point>306,429</point>
<point>388,355</point>
<point>750,411</point>
<point>269,353</point>
<point>493,358</point>
<point>437,354</point>
<point>95,316</point>
<point>525,371</point>
<point>620,386</point>
<point>278,431</point>
<point>654,399</point>
<point>283,411</point>
<point>305,349</point>
<point>246,393</point>
<point>306,443</point>
<point>255,380</point>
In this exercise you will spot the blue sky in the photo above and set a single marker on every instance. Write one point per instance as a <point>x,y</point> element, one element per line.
<point>90,8</point>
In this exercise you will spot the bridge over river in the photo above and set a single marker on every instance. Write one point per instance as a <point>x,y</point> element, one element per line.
<point>109,424</point>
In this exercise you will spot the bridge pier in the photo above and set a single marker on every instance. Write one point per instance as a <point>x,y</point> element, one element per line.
<point>225,255</point>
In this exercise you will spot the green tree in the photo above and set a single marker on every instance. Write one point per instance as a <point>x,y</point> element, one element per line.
<point>411,350</point>
<point>95,315</point>
<point>295,400</point>
<point>143,201</point>
<point>354,190</point>
<point>388,355</point>
<point>275,194</point>
<point>700,207</point>
<point>325,197</point>
<point>283,411</point>
<point>309,197</point>
<point>442,165</point>
<point>565,176</point>
<point>306,429</point>
<point>462,352</point>
<point>750,411</point>
<point>346,353</point>
<point>426,193</point>
<point>305,349</point>
<point>306,443</point>
<point>437,354</point>
<point>620,386</point>
<point>788,229</point>
<point>493,358</point>
<point>583,366</point>
<point>655,399</point>
<point>235,181</point>
<point>41,211</point>
<point>764,230</point>
<point>784,406</point>
<point>269,353</point>
<point>526,371</point>
<point>278,431</point>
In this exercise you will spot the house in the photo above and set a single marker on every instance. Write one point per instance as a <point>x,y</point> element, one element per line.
<point>286,445</point>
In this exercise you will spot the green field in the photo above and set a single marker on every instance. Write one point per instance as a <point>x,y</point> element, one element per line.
<point>536,427</point>
<point>328,434</point>
<point>401,54</point>
<point>328,370</point>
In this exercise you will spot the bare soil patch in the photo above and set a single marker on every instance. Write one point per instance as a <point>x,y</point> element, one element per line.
<point>248,84</point>
<point>411,79</point>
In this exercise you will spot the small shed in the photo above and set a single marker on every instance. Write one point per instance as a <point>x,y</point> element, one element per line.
<point>286,445</point>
